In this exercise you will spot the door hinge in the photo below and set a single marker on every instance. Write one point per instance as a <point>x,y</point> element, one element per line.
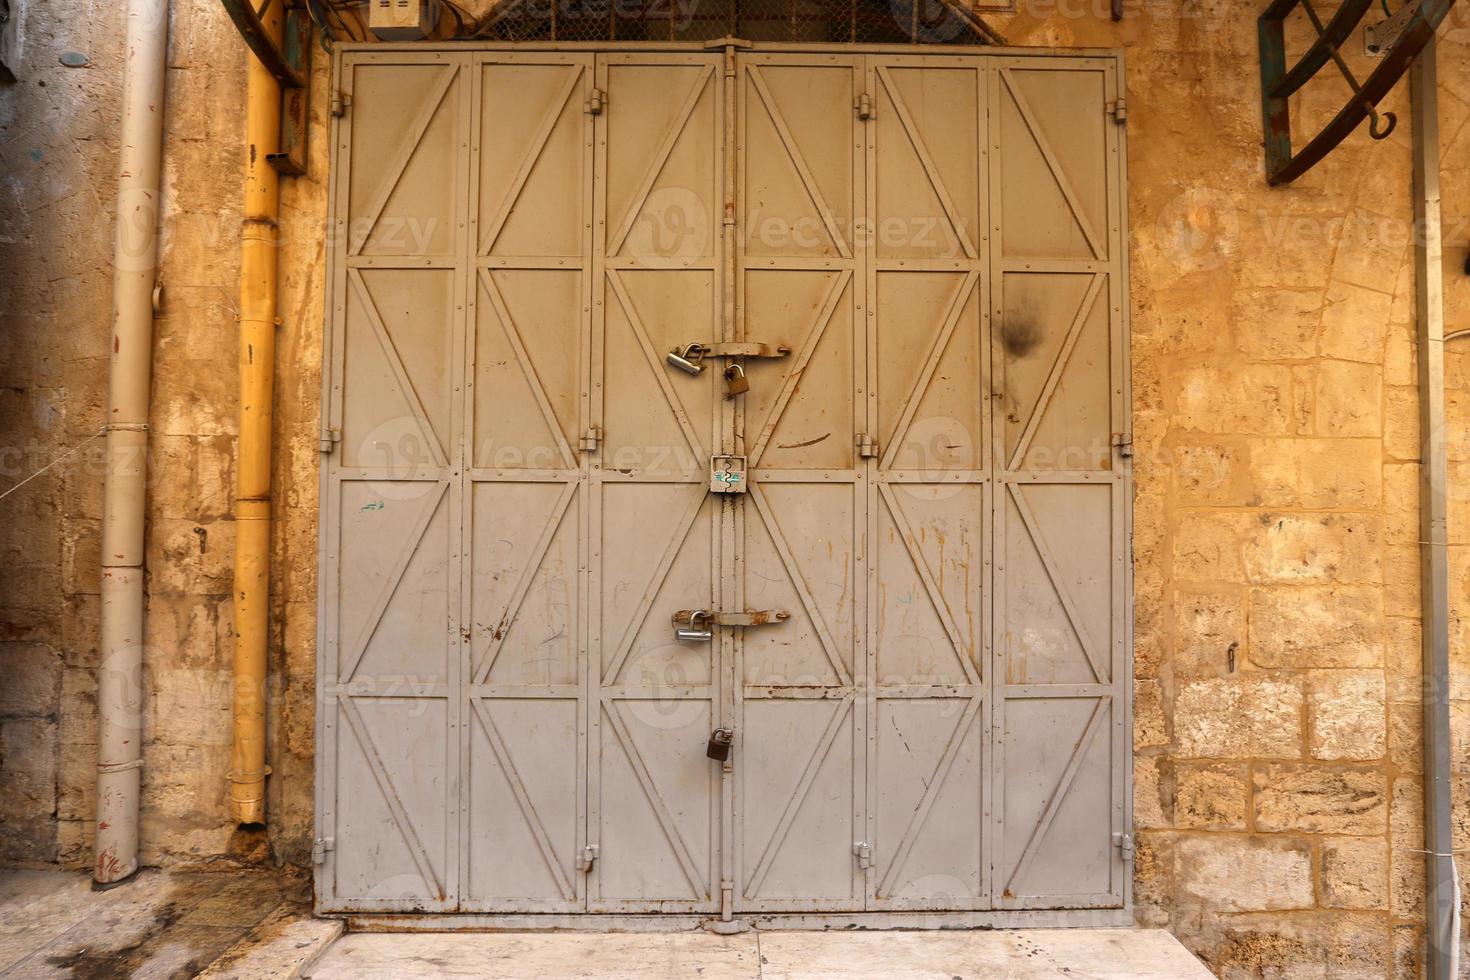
<point>595,102</point>
<point>587,858</point>
<point>590,440</point>
<point>1123,443</point>
<point>341,102</point>
<point>329,439</point>
<point>864,852</point>
<point>1124,844</point>
<point>864,106</point>
<point>1119,110</point>
<point>319,849</point>
<point>866,447</point>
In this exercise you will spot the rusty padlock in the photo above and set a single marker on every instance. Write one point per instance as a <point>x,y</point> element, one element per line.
<point>718,748</point>
<point>735,381</point>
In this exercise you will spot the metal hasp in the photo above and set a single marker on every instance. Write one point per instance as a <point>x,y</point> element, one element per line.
<point>746,619</point>
<point>1278,82</point>
<point>698,624</point>
<point>1441,888</point>
<point>290,64</point>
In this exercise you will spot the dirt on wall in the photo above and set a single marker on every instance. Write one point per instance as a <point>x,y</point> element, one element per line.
<point>1277,787</point>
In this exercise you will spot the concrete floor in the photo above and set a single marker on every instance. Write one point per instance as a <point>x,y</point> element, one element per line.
<point>257,926</point>
<point>1078,954</point>
<point>173,926</point>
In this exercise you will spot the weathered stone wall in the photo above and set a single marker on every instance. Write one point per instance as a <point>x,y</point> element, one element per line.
<point>58,146</point>
<point>1275,429</point>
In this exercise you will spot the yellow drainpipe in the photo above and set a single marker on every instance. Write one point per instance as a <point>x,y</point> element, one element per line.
<point>258,252</point>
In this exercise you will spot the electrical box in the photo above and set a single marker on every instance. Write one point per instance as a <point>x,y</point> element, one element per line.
<point>402,20</point>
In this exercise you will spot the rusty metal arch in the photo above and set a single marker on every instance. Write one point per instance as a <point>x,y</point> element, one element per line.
<point>1278,82</point>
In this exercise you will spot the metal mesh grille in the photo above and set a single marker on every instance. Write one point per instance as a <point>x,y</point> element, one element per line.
<point>792,21</point>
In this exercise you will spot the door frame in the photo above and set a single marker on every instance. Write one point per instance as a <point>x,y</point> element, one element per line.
<point>406,915</point>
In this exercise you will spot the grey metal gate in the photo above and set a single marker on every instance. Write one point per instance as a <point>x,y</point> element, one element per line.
<point>918,605</point>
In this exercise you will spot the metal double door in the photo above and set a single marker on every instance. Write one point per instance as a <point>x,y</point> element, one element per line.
<point>518,514</point>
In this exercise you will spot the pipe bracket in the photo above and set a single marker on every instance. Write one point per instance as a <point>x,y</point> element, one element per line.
<point>119,766</point>
<point>246,778</point>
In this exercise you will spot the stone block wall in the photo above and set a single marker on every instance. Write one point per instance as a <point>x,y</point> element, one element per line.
<point>58,146</point>
<point>1277,715</point>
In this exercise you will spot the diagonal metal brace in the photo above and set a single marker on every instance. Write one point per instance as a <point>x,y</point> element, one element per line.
<point>247,22</point>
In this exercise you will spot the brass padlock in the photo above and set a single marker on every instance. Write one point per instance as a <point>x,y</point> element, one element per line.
<point>736,383</point>
<point>688,358</point>
<point>718,748</point>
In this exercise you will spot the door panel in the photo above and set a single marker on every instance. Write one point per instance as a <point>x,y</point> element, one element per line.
<point>929,485</point>
<point>799,804</point>
<point>526,506</point>
<point>655,797</point>
<point>1061,502</point>
<point>390,641</point>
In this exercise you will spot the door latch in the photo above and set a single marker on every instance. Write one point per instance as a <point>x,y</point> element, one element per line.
<point>699,629</point>
<point>743,618</point>
<point>864,852</point>
<point>587,858</point>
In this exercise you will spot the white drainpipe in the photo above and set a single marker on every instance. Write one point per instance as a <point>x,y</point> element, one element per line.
<point>135,269</point>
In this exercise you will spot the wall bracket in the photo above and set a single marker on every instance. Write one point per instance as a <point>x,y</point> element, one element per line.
<point>1279,82</point>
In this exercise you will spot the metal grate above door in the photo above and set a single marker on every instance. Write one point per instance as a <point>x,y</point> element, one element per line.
<point>781,21</point>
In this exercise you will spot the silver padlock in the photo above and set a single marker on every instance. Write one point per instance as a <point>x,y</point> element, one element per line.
<point>695,632</point>
<point>688,358</point>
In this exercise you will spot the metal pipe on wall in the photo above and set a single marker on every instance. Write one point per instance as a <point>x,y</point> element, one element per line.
<point>134,277</point>
<point>258,265</point>
<point>1441,903</point>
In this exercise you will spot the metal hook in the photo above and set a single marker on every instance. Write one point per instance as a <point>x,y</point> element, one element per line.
<point>1373,119</point>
